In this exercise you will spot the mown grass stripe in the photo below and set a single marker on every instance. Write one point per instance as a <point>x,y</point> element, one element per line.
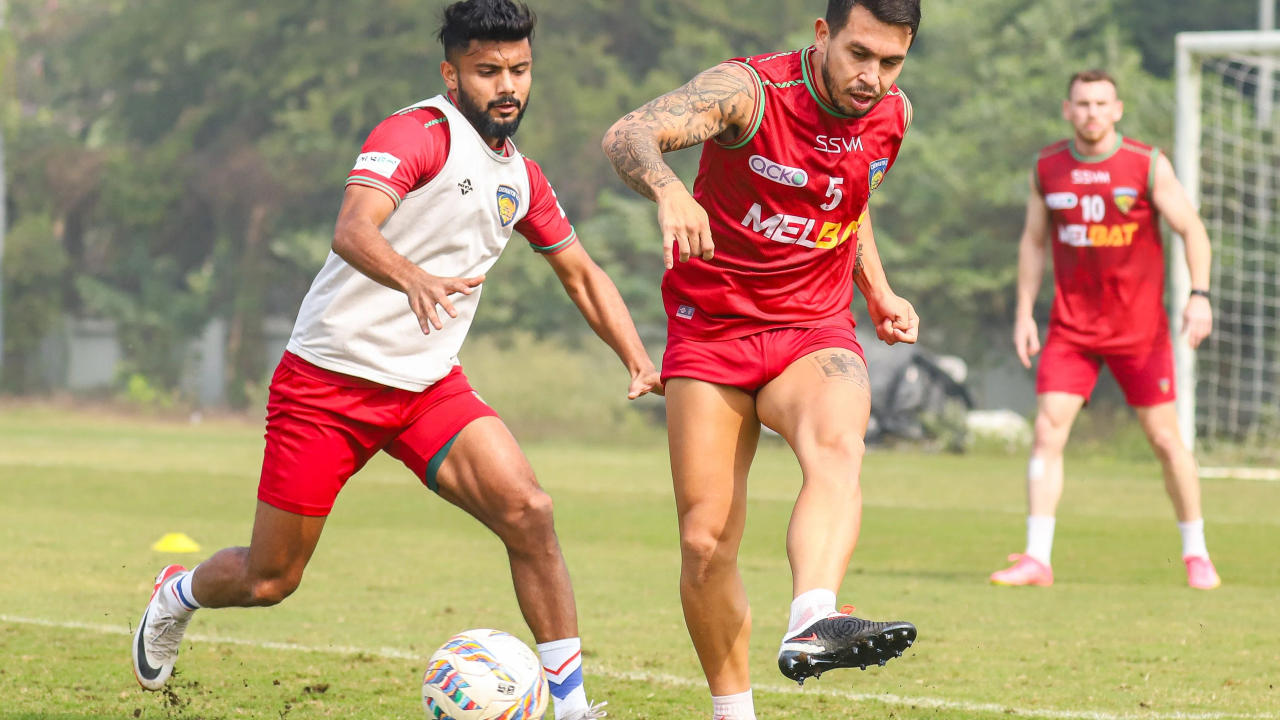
<point>675,680</point>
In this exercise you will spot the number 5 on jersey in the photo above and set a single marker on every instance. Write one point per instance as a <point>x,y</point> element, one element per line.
<point>835,193</point>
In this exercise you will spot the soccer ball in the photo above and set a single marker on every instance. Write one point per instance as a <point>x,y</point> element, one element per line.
<point>484,675</point>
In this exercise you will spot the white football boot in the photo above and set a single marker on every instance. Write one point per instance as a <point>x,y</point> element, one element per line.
<point>155,642</point>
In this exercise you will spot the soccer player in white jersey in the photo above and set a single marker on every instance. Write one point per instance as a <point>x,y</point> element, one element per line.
<point>372,362</point>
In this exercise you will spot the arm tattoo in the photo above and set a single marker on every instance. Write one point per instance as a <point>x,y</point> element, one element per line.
<point>844,366</point>
<point>857,261</point>
<point>716,100</point>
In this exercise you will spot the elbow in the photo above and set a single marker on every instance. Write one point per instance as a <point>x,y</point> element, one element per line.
<point>576,287</point>
<point>610,138</point>
<point>585,283</point>
<point>343,238</point>
<point>615,144</point>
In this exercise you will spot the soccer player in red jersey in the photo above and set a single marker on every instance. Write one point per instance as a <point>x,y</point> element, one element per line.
<point>431,202</point>
<point>770,245</point>
<point>1097,200</point>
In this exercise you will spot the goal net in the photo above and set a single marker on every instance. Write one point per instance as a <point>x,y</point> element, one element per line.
<point>1228,156</point>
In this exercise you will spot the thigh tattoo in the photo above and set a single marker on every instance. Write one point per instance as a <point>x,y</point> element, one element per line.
<point>843,365</point>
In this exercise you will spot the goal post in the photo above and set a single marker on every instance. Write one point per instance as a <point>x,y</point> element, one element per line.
<point>1227,155</point>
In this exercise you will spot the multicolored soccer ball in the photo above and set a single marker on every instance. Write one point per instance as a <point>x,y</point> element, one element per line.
<point>484,675</point>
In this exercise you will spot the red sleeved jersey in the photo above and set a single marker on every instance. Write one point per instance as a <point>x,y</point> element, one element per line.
<point>408,149</point>
<point>784,203</point>
<point>1108,257</point>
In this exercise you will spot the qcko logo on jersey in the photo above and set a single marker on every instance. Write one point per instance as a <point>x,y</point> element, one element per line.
<point>508,204</point>
<point>875,173</point>
<point>1061,200</point>
<point>1124,198</point>
<point>781,174</point>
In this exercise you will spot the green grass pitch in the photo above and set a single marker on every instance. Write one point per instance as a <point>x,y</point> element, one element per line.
<point>83,496</point>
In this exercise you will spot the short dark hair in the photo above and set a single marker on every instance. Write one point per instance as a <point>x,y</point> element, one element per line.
<point>893,12</point>
<point>1088,76</point>
<point>501,20</point>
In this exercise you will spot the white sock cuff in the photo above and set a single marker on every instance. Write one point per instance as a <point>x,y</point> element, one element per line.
<point>816,596</point>
<point>1040,537</point>
<point>809,606</point>
<point>180,592</point>
<point>572,644</point>
<point>1193,542</point>
<point>738,706</point>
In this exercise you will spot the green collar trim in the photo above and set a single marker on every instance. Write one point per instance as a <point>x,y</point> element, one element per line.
<point>813,90</point>
<point>1095,158</point>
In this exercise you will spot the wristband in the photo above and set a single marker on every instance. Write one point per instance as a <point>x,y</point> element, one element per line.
<point>1202,293</point>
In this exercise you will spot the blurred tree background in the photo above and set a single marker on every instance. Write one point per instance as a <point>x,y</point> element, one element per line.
<point>171,163</point>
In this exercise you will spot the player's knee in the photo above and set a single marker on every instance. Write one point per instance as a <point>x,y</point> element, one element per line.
<point>272,591</point>
<point>1051,435</point>
<point>1166,443</point>
<point>527,519</point>
<point>840,448</point>
<point>704,549</point>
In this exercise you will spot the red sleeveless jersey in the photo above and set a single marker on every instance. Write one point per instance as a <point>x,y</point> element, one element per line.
<point>1108,257</point>
<point>784,203</point>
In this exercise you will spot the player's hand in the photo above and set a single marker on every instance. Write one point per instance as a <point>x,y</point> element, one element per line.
<point>684,225</point>
<point>1026,339</point>
<point>425,291</point>
<point>895,319</point>
<point>645,381</point>
<point>1197,320</point>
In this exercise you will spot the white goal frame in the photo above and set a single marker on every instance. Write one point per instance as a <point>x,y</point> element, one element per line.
<point>1192,48</point>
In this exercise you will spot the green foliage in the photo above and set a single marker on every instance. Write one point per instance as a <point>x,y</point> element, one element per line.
<point>558,388</point>
<point>141,394</point>
<point>34,269</point>
<point>192,155</point>
<point>522,292</point>
<point>154,318</point>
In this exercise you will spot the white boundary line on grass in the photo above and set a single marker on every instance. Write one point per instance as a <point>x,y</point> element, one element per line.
<point>650,677</point>
<point>1241,473</point>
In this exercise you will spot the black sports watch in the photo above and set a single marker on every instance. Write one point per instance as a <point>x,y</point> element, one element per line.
<point>1202,293</point>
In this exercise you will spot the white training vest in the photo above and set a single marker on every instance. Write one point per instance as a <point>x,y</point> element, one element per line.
<point>454,226</point>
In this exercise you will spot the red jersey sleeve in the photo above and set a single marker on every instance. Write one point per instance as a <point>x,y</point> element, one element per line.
<point>545,225</point>
<point>402,153</point>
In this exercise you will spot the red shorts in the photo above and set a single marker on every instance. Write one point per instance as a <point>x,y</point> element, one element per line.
<point>751,361</point>
<point>1145,377</point>
<point>323,426</point>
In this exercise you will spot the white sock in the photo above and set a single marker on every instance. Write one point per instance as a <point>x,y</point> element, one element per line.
<point>809,605</point>
<point>177,597</point>
<point>738,706</point>
<point>1193,538</point>
<point>562,661</point>
<point>1040,537</point>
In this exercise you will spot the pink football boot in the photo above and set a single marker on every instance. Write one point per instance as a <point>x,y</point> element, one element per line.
<point>1201,574</point>
<point>1026,570</point>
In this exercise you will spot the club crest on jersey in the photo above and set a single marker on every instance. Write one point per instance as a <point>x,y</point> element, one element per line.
<point>875,173</point>
<point>1124,198</point>
<point>508,204</point>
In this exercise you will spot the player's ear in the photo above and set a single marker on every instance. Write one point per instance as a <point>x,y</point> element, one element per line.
<point>450,75</point>
<point>821,31</point>
<point>1119,110</point>
<point>1066,110</point>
